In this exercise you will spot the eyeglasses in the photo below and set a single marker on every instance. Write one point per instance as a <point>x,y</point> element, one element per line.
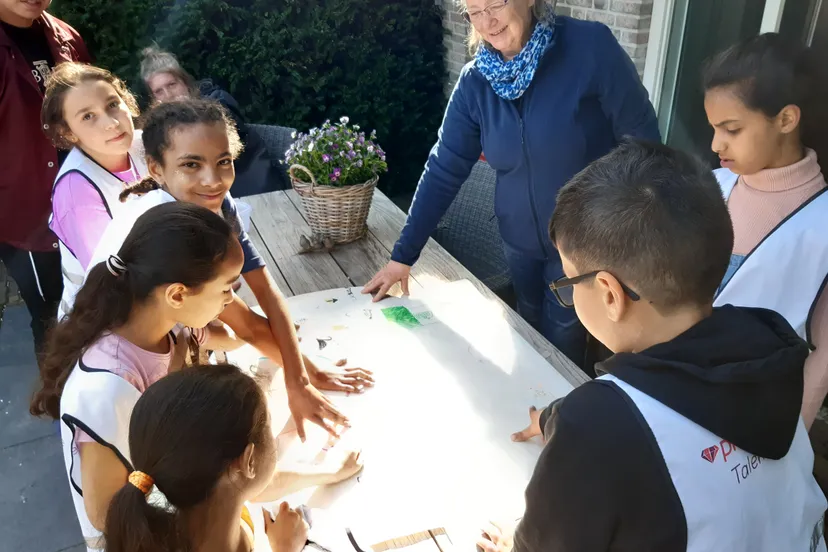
<point>563,288</point>
<point>489,10</point>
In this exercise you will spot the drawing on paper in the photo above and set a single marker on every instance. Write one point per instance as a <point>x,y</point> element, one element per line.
<point>323,342</point>
<point>340,327</point>
<point>350,293</point>
<point>331,301</point>
<point>401,316</point>
<point>369,314</point>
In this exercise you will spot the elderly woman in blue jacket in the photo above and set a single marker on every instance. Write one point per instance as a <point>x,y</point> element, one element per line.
<point>543,97</point>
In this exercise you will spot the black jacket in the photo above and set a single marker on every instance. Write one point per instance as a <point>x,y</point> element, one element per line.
<point>601,483</point>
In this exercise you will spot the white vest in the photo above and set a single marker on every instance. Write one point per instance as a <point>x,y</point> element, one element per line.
<point>81,406</point>
<point>117,231</point>
<point>734,500</point>
<point>788,269</point>
<point>109,187</point>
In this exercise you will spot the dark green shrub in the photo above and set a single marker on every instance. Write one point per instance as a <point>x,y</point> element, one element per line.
<point>294,62</point>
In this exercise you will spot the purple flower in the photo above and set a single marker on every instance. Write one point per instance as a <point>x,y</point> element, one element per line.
<point>359,163</point>
<point>351,154</point>
<point>344,120</point>
<point>335,145</point>
<point>361,139</point>
<point>337,172</point>
<point>371,148</point>
<point>326,158</point>
<point>333,177</point>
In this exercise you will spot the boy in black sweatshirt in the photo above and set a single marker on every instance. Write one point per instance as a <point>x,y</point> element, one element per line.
<point>691,438</point>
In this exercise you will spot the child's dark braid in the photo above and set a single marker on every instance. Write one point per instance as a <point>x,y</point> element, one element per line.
<point>141,187</point>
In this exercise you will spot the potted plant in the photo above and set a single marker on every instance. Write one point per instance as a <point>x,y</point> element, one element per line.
<point>335,169</point>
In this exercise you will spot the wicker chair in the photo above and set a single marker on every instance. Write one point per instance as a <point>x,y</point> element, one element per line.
<point>277,139</point>
<point>470,233</point>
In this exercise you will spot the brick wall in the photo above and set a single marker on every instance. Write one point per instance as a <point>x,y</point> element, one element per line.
<point>628,19</point>
<point>454,41</point>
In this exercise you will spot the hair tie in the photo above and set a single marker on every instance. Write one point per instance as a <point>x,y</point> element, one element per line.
<point>141,481</point>
<point>115,265</point>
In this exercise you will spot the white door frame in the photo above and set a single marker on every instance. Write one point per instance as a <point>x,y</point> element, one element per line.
<point>654,66</point>
<point>661,24</point>
<point>772,17</point>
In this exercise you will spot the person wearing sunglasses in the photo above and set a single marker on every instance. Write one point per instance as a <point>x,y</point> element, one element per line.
<point>543,97</point>
<point>691,438</point>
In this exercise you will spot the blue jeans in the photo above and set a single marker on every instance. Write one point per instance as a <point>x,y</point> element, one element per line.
<point>537,304</point>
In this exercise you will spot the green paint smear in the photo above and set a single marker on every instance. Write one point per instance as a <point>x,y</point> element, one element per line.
<point>401,316</point>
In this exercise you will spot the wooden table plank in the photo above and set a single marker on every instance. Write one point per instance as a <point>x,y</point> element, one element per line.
<point>385,222</point>
<point>244,292</point>
<point>361,259</point>
<point>280,226</point>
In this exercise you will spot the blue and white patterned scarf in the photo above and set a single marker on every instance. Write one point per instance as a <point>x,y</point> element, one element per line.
<point>510,79</point>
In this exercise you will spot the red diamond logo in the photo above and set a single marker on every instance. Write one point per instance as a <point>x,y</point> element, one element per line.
<point>710,453</point>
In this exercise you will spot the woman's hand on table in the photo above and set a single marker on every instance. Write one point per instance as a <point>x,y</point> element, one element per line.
<point>288,532</point>
<point>385,279</point>
<point>496,538</point>
<point>534,428</point>
<point>348,380</point>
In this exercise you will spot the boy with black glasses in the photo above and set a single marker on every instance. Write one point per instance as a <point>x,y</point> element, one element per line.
<point>691,437</point>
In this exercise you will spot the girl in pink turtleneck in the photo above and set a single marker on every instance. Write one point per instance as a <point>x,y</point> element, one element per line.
<point>767,104</point>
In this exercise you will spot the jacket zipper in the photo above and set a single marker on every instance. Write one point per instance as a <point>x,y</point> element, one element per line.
<point>529,170</point>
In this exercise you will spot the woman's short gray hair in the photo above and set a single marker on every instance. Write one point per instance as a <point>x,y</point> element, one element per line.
<point>540,10</point>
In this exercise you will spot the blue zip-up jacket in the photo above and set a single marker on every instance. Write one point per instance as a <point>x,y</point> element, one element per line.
<point>585,97</point>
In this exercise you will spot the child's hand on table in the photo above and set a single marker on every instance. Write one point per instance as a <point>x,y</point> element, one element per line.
<point>288,532</point>
<point>534,428</point>
<point>348,380</point>
<point>342,465</point>
<point>496,538</point>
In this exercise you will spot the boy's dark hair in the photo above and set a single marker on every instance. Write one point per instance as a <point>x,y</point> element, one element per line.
<point>184,432</point>
<point>652,216</point>
<point>174,242</point>
<point>769,72</point>
<point>63,78</point>
<point>159,123</point>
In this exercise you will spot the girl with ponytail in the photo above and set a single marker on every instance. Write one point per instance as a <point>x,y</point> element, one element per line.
<point>129,327</point>
<point>203,439</point>
<point>191,145</point>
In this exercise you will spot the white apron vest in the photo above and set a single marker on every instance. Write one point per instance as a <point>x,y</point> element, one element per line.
<point>787,271</point>
<point>734,500</point>
<point>82,407</point>
<point>109,187</point>
<point>117,231</point>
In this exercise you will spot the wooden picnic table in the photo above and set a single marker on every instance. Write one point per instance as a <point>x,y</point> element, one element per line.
<point>277,223</point>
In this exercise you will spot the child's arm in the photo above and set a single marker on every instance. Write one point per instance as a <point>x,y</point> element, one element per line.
<point>305,401</point>
<point>221,338</point>
<point>102,475</point>
<point>337,467</point>
<point>816,365</point>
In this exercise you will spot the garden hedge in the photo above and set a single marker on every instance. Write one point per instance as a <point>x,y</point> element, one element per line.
<point>294,62</point>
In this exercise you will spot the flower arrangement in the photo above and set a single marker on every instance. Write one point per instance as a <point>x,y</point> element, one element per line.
<point>337,154</point>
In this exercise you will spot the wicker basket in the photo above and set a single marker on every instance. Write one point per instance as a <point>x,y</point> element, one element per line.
<point>338,213</point>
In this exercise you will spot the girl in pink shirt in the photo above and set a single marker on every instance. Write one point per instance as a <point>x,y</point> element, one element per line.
<point>129,328</point>
<point>766,102</point>
<point>89,111</point>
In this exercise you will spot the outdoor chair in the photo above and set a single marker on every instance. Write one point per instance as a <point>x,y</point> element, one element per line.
<point>470,233</point>
<point>277,140</point>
